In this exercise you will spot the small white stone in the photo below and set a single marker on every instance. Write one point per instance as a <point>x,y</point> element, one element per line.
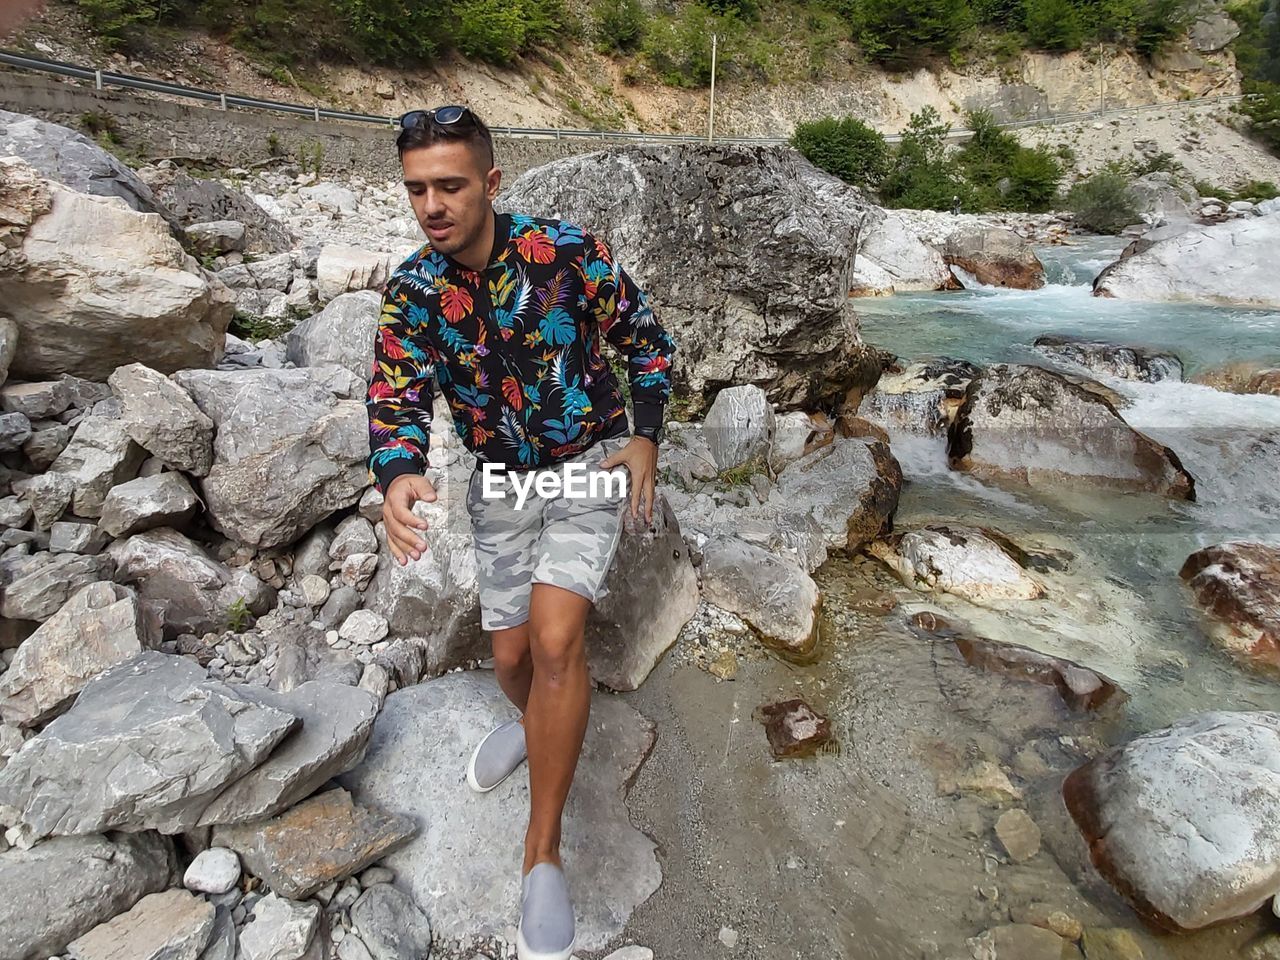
<point>215,870</point>
<point>364,627</point>
<point>729,937</point>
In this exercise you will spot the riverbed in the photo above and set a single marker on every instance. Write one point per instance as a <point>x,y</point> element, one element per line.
<point>865,850</point>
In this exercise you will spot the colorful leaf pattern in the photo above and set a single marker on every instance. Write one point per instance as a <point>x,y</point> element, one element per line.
<point>537,391</point>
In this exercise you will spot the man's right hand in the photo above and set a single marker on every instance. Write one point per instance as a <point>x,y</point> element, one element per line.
<point>399,519</point>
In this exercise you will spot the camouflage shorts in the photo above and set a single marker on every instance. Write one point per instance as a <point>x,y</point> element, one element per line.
<point>561,540</point>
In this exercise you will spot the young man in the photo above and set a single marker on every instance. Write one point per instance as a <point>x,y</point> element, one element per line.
<point>503,313</point>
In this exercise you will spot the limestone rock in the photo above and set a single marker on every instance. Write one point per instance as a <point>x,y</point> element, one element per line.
<point>215,870</point>
<point>287,453</point>
<point>163,420</point>
<point>1226,263</point>
<point>995,256</point>
<point>850,486</point>
<point>1038,427</point>
<point>101,455</point>
<point>337,721</point>
<point>739,427</point>
<point>960,560</point>
<point>64,887</point>
<point>921,397</point>
<point>101,625</point>
<point>1018,834</point>
<point>1137,804</point>
<point>95,285</point>
<point>390,924</point>
<point>49,582</point>
<point>1099,357</point>
<point>1237,585</point>
<point>216,237</point>
<point>626,635</point>
<point>164,500</point>
<point>194,592</point>
<point>452,869</point>
<point>345,268</point>
<point>794,728</point>
<point>284,852</point>
<point>732,320</point>
<point>281,929</point>
<point>86,771</point>
<point>194,200</point>
<point>773,594</point>
<point>173,925</point>
<point>341,333</point>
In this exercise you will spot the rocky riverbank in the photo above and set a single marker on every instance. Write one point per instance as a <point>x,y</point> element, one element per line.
<point>219,691</point>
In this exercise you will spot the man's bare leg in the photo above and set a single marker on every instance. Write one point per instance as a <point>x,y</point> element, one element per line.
<point>513,664</point>
<point>556,716</point>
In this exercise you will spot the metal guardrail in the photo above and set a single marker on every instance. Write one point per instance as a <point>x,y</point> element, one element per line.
<point>106,78</point>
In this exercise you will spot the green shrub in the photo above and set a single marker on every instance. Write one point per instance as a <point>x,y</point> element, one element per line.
<point>1034,177</point>
<point>1103,203</point>
<point>844,147</point>
<point>1054,24</point>
<point>112,20</point>
<point>1262,108</point>
<point>1002,173</point>
<point>897,32</point>
<point>922,176</point>
<point>679,48</point>
<point>619,24</point>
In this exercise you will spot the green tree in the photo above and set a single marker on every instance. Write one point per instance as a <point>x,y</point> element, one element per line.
<point>844,147</point>
<point>1053,24</point>
<point>1103,203</point>
<point>897,32</point>
<point>679,48</point>
<point>619,24</point>
<point>922,176</point>
<point>1262,107</point>
<point>113,20</point>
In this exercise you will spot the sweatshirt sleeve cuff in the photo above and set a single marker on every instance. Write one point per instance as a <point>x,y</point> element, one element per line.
<point>385,474</point>
<point>648,416</point>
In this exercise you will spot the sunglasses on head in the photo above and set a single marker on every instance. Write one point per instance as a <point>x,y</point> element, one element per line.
<point>443,116</point>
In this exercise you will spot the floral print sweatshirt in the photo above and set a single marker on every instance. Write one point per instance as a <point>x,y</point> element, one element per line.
<point>515,350</point>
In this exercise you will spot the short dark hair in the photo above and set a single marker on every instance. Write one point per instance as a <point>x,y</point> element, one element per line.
<point>473,132</point>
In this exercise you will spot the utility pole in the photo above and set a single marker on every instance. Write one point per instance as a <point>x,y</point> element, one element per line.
<point>1102,103</point>
<point>711,116</point>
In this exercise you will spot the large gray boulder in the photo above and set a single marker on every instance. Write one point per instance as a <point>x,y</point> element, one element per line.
<point>1162,198</point>
<point>162,500</point>
<point>147,745</point>
<point>1226,263</point>
<point>63,887</point>
<point>463,867</point>
<point>163,419</point>
<point>92,285</point>
<point>739,427</point>
<point>193,592</point>
<point>48,581</point>
<point>72,159</point>
<point>100,455</point>
<point>170,925</point>
<point>744,216</point>
<point>287,452</point>
<point>1041,428</point>
<point>193,200</point>
<point>101,625</point>
<point>773,594</point>
<point>627,633</point>
<point>1185,821</point>
<point>341,333</point>
<point>996,257</point>
<point>850,486</point>
<point>337,721</point>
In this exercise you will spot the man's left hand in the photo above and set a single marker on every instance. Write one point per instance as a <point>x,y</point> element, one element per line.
<point>640,457</point>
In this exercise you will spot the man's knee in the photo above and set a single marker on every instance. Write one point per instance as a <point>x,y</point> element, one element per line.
<point>511,650</point>
<point>556,649</point>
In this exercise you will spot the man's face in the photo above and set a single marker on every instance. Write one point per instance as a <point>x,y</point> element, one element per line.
<point>451,197</point>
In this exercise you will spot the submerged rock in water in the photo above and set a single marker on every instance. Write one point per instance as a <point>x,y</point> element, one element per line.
<point>771,592</point>
<point>1079,687</point>
<point>995,256</point>
<point>1237,585</point>
<point>1036,426</point>
<point>1123,362</point>
<point>794,728</point>
<point>1185,821</point>
<point>960,560</point>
